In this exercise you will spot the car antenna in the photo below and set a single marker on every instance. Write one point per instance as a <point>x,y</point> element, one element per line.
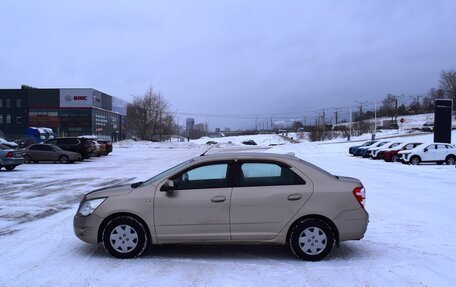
<point>205,152</point>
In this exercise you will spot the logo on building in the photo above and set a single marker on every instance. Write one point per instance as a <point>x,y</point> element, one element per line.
<point>68,98</point>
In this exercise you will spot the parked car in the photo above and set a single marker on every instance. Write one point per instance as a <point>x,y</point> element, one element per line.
<point>10,158</point>
<point>391,153</point>
<point>352,149</point>
<point>366,151</point>
<point>23,143</point>
<point>433,152</point>
<point>79,145</point>
<point>108,146</point>
<point>48,152</point>
<point>377,153</point>
<point>9,144</point>
<point>228,198</point>
<point>249,142</point>
<point>428,127</point>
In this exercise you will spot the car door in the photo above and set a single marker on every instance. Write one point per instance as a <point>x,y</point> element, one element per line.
<point>197,207</point>
<point>266,197</point>
<point>429,153</point>
<point>34,152</point>
<point>48,153</point>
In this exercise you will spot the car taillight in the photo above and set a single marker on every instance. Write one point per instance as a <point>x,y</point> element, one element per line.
<point>9,154</point>
<point>360,195</point>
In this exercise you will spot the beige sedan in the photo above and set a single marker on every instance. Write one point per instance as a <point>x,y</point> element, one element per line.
<point>228,198</point>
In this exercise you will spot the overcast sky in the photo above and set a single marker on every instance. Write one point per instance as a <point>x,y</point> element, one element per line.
<point>230,57</point>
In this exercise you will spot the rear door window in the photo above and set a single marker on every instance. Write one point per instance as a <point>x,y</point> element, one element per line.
<point>265,174</point>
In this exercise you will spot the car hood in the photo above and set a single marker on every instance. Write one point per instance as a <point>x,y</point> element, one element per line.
<point>109,191</point>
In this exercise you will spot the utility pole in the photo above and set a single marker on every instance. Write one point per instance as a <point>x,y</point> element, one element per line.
<point>361,109</point>
<point>336,109</point>
<point>349,136</point>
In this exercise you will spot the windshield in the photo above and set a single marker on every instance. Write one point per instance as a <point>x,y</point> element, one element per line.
<point>168,172</point>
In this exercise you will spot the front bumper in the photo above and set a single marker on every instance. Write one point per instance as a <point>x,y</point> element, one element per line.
<point>86,227</point>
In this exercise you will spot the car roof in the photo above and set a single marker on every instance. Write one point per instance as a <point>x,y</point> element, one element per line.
<point>245,155</point>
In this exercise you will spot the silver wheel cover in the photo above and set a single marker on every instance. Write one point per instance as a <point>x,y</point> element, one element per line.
<point>123,238</point>
<point>312,241</point>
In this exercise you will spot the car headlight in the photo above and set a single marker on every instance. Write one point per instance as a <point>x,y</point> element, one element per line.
<point>88,207</point>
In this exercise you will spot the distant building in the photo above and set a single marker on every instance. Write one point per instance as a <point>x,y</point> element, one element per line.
<point>200,127</point>
<point>69,112</point>
<point>190,124</point>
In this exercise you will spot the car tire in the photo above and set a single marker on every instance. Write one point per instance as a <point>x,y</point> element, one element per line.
<point>124,237</point>
<point>10,167</point>
<point>450,160</point>
<point>311,239</point>
<point>27,158</point>
<point>64,159</point>
<point>394,158</point>
<point>415,160</point>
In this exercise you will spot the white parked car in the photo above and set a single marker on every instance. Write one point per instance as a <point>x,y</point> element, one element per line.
<point>377,152</point>
<point>429,152</point>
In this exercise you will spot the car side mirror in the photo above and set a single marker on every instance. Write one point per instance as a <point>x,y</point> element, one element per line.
<point>168,186</point>
<point>425,150</point>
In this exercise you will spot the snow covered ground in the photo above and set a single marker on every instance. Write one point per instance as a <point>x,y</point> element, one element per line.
<point>409,242</point>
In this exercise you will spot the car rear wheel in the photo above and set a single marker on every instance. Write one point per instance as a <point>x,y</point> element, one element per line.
<point>124,237</point>
<point>27,158</point>
<point>395,158</point>
<point>311,239</point>
<point>64,159</point>
<point>10,167</point>
<point>450,160</point>
<point>415,160</point>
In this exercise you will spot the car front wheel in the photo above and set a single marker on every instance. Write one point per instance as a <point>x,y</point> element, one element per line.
<point>311,239</point>
<point>415,160</point>
<point>27,158</point>
<point>10,167</point>
<point>124,237</point>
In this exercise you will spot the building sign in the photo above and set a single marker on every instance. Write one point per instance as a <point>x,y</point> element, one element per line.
<point>77,98</point>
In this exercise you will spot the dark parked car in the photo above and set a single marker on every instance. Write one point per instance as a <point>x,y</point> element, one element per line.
<point>10,158</point>
<point>79,145</point>
<point>48,152</point>
<point>249,142</point>
<point>107,144</point>
<point>354,149</point>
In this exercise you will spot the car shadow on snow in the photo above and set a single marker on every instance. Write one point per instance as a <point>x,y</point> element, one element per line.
<point>226,252</point>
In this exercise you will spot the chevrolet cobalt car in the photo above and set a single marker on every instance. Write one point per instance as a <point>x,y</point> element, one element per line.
<point>228,198</point>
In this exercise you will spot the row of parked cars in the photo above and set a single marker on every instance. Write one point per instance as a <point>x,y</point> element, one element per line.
<point>62,150</point>
<point>406,152</point>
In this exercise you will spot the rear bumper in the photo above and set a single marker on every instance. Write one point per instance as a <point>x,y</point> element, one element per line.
<point>352,224</point>
<point>12,161</point>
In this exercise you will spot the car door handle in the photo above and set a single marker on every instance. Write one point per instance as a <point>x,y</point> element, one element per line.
<point>294,197</point>
<point>218,199</point>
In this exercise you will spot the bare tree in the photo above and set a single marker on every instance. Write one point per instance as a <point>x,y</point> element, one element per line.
<point>448,84</point>
<point>432,95</point>
<point>148,116</point>
<point>387,109</point>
